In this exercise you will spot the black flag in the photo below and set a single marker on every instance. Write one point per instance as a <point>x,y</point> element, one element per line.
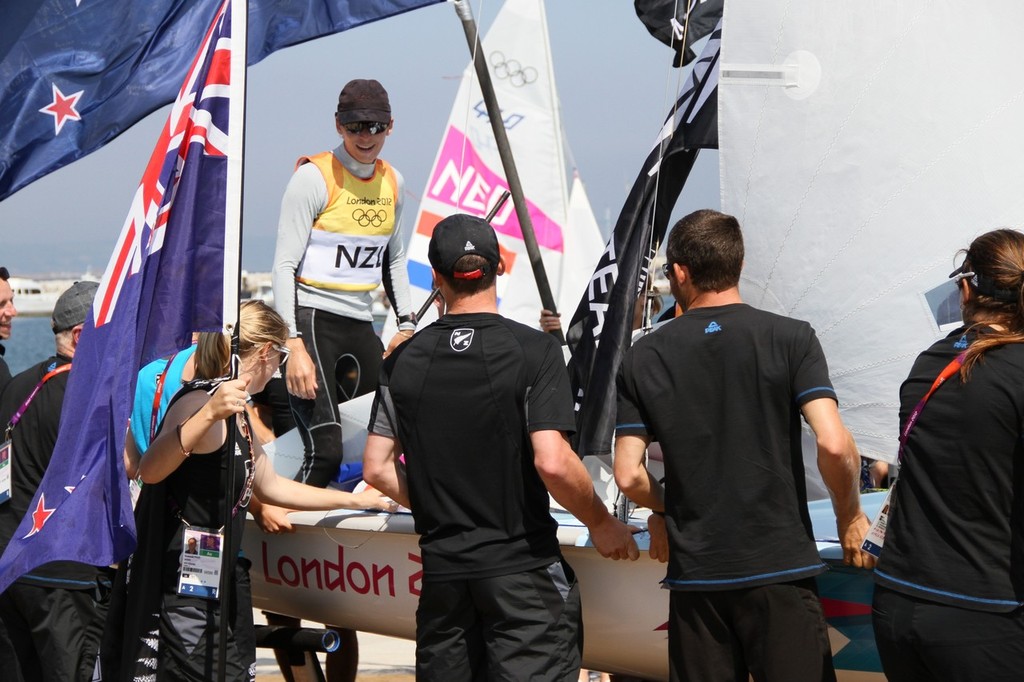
<point>666,20</point>
<point>601,327</point>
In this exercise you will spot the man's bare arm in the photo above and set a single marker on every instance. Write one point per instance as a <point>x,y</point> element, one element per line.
<point>632,476</point>
<point>569,483</point>
<point>839,464</point>
<point>383,470</point>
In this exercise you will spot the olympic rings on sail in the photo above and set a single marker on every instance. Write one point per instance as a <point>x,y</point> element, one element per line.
<point>511,69</point>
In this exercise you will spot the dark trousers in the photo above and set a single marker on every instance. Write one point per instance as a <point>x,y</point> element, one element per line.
<point>55,632</point>
<point>920,641</point>
<point>347,354</point>
<point>522,626</point>
<point>774,633</point>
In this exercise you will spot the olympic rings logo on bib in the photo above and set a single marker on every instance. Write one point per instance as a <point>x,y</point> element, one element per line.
<point>368,217</point>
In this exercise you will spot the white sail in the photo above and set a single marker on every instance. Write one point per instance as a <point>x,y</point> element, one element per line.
<point>467,175</point>
<point>366,567</point>
<point>583,247</point>
<point>861,145</point>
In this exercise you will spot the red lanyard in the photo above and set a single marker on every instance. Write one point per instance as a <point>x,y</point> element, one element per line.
<point>157,394</point>
<point>24,406</point>
<point>951,369</point>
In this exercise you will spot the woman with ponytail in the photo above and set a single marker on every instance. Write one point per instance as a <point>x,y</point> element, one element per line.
<point>950,579</point>
<point>170,599</point>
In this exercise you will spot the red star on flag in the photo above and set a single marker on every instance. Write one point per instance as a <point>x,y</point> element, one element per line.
<point>62,108</point>
<point>40,516</point>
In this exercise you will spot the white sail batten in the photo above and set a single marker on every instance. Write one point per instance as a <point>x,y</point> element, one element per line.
<point>857,184</point>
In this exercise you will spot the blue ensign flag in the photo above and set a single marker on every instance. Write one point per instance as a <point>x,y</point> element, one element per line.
<point>164,280</point>
<point>75,75</point>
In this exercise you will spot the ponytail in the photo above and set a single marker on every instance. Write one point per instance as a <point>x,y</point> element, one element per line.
<point>213,355</point>
<point>997,287</point>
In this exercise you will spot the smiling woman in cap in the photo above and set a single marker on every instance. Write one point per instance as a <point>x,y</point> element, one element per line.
<point>339,237</point>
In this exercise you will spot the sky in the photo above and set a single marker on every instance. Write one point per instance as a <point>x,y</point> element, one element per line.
<point>615,83</point>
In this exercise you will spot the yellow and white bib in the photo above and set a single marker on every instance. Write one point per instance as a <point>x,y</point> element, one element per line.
<point>346,246</point>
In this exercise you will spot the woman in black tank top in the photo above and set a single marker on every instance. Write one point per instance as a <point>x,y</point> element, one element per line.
<point>165,613</point>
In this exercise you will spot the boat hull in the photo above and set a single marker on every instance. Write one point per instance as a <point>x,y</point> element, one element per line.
<point>363,571</point>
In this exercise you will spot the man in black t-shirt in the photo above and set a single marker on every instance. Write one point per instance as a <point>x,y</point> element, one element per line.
<point>722,388</point>
<point>480,407</point>
<point>54,613</point>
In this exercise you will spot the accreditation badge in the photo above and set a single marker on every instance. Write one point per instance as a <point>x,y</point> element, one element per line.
<point>875,537</point>
<point>6,456</point>
<point>199,575</point>
<point>135,491</point>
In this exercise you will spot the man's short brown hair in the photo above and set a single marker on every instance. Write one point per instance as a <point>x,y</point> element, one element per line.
<point>710,245</point>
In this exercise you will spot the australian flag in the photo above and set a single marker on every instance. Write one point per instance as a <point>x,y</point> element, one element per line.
<point>601,327</point>
<point>164,280</point>
<point>76,74</point>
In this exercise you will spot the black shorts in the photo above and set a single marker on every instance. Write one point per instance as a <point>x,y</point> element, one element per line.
<point>775,633</point>
<point>921,640</point>
<point>523,626</point>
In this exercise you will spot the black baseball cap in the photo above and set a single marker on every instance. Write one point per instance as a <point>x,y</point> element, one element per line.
<point>462,235</point>
<point>363,100</point>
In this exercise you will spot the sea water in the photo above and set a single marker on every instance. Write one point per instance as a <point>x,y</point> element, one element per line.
<point>31,342</point>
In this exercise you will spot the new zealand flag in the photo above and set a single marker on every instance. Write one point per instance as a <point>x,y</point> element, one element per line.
<point>75,75</point>
<point>164,280</point>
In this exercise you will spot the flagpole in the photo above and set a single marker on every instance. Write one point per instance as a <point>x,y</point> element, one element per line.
<point>231,310</point>
<point>469,26</point>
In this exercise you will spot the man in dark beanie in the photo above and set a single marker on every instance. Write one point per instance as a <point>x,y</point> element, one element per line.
<point>340,236</point>
<point>53,614</point>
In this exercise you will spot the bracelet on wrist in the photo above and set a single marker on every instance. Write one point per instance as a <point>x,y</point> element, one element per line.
<point>181,444</point>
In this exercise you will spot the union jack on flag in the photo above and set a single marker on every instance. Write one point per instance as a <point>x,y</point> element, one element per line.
<point>173,271</point>
<point>199,116</point>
